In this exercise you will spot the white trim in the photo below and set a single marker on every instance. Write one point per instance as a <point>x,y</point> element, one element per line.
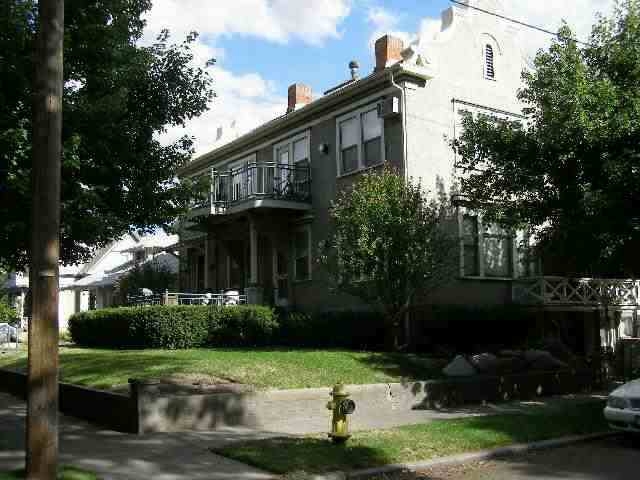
<point>303,228</point>
<point>307,126</point>
<point>357,113</point>
<point>290,141</point>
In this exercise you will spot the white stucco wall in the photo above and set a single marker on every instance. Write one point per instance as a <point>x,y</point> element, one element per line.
<point>455,55</point>
<point>66,307</point>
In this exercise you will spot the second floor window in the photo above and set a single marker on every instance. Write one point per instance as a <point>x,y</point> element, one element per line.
<point>292,159</point>
<point>360,140</point>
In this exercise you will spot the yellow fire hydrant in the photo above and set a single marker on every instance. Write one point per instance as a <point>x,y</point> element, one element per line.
<point>341,406</point>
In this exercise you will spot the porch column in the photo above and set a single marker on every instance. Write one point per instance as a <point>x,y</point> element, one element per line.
<point>253,252</point>
<point>253,291</point>
<point>206,260</point>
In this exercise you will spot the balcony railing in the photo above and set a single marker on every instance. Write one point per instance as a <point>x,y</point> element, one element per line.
<point>589,292</point>
<point>255,181</point>
<point>230,297</point>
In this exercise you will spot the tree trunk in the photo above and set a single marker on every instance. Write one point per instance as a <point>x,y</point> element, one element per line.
<point>42,401</point>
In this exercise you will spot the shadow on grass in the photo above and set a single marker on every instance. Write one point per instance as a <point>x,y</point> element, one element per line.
<point>406,366</point>
<point>416,443</point>
<point>65,473</point>
<point>311,455</point>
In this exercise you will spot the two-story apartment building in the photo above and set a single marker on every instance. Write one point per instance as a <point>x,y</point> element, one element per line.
<point>270,190</point>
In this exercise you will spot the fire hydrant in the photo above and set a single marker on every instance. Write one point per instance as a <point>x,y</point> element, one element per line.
<point>341,406</point>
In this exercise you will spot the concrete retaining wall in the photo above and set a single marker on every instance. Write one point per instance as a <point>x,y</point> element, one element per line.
<point>304,410</point>
<point>114,411</point>
<point>156,407</point>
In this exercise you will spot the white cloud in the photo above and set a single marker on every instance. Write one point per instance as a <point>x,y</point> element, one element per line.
<point>243,102</point>
<point>311,21</point>
<point>248,100</point>
<point>383,21</point>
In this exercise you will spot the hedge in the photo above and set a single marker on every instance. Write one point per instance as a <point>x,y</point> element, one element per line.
<point>174,326</point>
<point>353,329</point>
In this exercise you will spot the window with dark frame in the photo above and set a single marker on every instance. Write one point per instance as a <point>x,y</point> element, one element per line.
<point>489,68</point>
<point>360,139</point>
<point>302,254</point>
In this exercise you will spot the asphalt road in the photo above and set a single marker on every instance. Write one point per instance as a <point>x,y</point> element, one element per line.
<point>611,459</point>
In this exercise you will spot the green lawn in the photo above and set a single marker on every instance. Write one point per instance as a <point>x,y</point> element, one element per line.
<point>414,443</point>
<point>264,368</point>
<point>66,473</point>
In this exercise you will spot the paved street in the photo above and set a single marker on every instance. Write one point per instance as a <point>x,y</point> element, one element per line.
<point>116,455</point>
<point>610,459</point>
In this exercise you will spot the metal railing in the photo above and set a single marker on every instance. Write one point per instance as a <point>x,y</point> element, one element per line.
<point>551,290</point>
<point>229,297</point>
<point>255,181</point>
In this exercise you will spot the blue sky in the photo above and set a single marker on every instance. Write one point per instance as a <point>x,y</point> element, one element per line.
<point>325,65</point>
<point>263,46</point>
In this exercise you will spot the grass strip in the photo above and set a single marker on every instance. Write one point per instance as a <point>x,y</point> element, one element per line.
<point>315,454</point>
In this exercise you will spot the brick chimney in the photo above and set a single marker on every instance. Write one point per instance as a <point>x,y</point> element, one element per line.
<point>388,50</point>
<point>299,96</point>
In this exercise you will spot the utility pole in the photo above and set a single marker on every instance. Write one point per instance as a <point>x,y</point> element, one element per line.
<point>42,401</point>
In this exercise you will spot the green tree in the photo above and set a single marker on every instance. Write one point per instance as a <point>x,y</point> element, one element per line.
<point>571,169</point>
<point>118,97</point>
<point>152,275</point>
<point>389,244</point>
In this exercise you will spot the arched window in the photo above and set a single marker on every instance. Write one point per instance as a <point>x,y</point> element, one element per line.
<point>489,69</point>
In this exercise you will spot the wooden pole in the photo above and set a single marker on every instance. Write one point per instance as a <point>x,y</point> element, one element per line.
<point>42,401</point>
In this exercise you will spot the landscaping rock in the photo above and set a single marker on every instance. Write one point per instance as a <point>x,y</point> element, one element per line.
<point>459,367</point>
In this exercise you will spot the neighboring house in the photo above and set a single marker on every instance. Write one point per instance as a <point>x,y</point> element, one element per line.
<point>92,285</point>
<point>270,190</point>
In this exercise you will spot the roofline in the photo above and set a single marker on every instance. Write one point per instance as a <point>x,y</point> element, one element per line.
<point>264,130</point>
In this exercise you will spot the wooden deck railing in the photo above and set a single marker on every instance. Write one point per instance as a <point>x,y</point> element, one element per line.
<point>550,290</point>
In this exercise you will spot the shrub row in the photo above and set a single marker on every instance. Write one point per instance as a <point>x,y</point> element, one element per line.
<point>174,326</point>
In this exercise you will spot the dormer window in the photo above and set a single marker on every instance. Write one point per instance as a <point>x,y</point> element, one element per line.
<point>489,68</point>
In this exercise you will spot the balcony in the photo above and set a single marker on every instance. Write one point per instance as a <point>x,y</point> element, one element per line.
<point>551,291</point>
<point>255,185</point>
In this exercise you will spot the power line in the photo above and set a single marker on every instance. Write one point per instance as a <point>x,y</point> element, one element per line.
<point>513,20</point>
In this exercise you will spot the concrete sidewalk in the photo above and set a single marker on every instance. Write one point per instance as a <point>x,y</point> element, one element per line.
<point>115,455</point>
<point>187,455</point>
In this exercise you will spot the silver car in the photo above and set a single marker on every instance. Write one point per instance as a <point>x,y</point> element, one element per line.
<point>623,407</point>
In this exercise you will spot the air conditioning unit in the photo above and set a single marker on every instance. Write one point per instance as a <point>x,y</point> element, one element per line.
<point>389,107</point>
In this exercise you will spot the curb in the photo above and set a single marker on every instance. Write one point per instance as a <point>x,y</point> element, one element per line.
<point>511,450</point>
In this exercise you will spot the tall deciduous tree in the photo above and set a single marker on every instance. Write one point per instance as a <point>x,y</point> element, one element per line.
<point>389,243</point>
<point>118,98</point>
<point>571,170</point>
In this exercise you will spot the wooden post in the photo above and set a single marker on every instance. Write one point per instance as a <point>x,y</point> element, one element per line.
<point>42,399</point>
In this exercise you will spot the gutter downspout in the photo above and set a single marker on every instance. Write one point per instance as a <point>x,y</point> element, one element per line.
<point>405,174</point>
<point>403,105</point>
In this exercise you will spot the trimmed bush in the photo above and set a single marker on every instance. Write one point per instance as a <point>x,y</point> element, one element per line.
<point>173,326</point>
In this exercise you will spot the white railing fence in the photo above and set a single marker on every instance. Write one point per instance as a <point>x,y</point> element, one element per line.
<point>229,297</point>
<point>550,290</point>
